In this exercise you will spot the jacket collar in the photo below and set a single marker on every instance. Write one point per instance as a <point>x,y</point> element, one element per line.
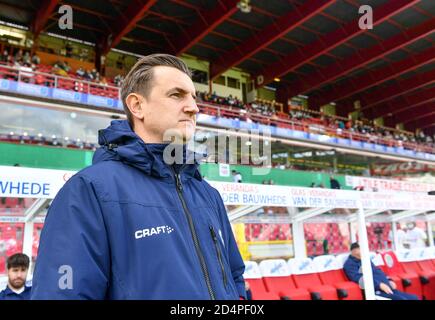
<point>120,143</point>
<point>8,291</point>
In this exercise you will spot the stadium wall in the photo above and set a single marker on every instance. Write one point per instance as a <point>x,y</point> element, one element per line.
<point>44,157</point>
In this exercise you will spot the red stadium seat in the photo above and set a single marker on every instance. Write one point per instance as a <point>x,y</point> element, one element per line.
<point>253,276</point>
<point>426,263</point>
<point>394,269</point>
<point>410,261</point>
<point>331,273</point>
<point>277,279</point>
<point>305,277</point>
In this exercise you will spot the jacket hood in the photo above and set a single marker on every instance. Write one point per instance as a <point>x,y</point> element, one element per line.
<point>120,143</point>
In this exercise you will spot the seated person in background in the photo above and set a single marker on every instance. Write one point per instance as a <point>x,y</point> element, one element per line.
<point>248,291</point>
<point>36,59</point>
<point>18,266</point>
<point>80,72</point>
<point>384,287</point>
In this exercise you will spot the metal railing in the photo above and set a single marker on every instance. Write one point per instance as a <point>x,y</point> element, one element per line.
<point>308,126</point>
<point>24,74</point>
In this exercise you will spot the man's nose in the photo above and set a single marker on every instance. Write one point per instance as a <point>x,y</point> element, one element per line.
<point>191,106</point>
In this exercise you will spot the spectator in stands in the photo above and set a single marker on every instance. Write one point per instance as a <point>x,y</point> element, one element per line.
<point>103,81</point>
<point>237,177</point>
<point>69,49</point>
<point>18,267</point>
<point>36,60</point>
<point>97,226</point>
<point>19,56</point>
<point>80,72</point>
<point>88,75</point>
<point>26,58</point>
<point>95,75</point>
<point>118,80</point>
<point>384,286</point>
<point>334,183</point>
<point>5,56</point>
<point>66,67</point>
<point>26,72</point>
<point>415,237</point>
<point>120,62</point>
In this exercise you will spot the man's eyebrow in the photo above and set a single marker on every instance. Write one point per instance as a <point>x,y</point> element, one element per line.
<point>181,90</point>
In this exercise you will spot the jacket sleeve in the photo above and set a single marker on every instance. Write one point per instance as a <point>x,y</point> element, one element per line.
<point>236,262</point>
<point>351,269</point>
<point>73,258</point>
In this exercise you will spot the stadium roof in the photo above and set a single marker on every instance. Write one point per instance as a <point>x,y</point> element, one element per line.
<point>315,48</point>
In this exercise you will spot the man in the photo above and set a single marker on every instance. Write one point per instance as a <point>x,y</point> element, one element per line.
<point>401,237</point>
<point>334,183</point>
<point>18,266</point>
<point>415,237</point>
<point>384,287</point>
<point>237,177</point>
<point>132,226</point>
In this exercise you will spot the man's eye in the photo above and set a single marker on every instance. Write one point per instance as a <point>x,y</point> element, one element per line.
<point>176,94</point>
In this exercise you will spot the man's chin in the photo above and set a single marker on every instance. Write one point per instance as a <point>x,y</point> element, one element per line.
<point>17,285</point>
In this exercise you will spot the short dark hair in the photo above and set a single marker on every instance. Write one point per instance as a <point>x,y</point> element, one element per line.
<point>354,245</point>
<point>18,260</point>
<point>139,78</point>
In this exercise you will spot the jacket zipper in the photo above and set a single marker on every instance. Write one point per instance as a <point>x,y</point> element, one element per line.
<point>194,236</point>
<point>219,255</point>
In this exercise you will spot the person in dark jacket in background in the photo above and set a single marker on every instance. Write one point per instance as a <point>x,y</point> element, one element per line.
<point>137,224</point>
<point>384,286</point>
<point>16,289</point>
<point>334,183</point>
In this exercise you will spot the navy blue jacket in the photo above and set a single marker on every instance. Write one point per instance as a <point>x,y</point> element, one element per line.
<point>352,268</point>
<point>127,233</point>
<point>8,294</point>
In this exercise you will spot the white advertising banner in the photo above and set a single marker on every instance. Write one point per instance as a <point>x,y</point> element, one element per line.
<point>31,183</point>
<point>281,196</point>
<point>387,185</point>
<point>44,183</point>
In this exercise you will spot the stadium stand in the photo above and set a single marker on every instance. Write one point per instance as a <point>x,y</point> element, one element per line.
<point>262,112</point>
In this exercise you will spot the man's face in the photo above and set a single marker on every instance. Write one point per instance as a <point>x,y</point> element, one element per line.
<point>170,106</point>
<point>17,277</point>
<point>356,253</point>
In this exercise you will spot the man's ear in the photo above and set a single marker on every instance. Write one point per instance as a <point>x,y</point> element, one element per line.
<point>134,104</point>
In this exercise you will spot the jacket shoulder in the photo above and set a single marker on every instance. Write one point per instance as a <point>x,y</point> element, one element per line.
<point>213,192</point>
<point>101,169</point>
